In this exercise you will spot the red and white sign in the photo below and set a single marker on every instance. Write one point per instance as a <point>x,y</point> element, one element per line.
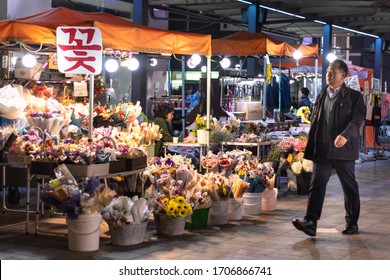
<point>79,50</point>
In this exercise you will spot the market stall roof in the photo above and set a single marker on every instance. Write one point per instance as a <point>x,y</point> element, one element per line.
<point>244,43</point>
<point>117,33</point>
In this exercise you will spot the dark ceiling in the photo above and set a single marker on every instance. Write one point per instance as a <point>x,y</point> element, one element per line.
<point>367,16</point>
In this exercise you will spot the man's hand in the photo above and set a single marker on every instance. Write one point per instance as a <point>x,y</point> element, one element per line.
<point>340,141</point>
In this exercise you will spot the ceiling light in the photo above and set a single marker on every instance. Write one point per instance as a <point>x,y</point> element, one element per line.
<point>196,59</point>
<point>190,64</point>
<point>111,65</point>
<point>133,64</point>
<point>153,62</point>
<point>225,63</point>
<point>297,54</point>
<point>331,57</point>
<point>203,69</point>
<point>29,60</point>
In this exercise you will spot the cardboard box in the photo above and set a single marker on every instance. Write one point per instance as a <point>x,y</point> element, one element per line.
<point>136,163</point>
<point>117,166</point>
<point>22,72</point>
<point>80,170</point>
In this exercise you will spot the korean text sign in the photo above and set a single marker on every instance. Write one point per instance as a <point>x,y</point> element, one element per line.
<point>79,50</point>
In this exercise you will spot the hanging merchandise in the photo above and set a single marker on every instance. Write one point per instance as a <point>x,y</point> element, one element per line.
<point>376,114</point>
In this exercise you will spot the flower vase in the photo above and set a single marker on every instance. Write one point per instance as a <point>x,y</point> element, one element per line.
<point>169,226</point>
<point>84,232</point>
<point>303,183</point>
<point>218,214</point>
<point>268,200</point>
<point>202,136</point>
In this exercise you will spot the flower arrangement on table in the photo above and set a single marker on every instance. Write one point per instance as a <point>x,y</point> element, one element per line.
<point>64,194</point>
<point>293,149</point>
<point>150,132</point>
<point>253,133</point>
<point>224,132</point>
<point>167,164</point>
<point>125,211</point>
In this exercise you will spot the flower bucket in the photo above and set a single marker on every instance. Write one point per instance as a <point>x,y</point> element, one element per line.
<point>303,183</point>
<point>202,136</point>
<point>268,202</point>
<point>236,208</point>
<point>218,214</point>
<point>149,149</point>
<point>252,203</point>
<point>128,234</point>
<point>199,218</point>
<point>170,226</point>
<point>84,233</point>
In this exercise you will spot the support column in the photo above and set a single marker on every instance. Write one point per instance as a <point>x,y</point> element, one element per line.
<point>327,48</point>
<point>139,77</point>
<point>253,19</point>
<point>378,58</point>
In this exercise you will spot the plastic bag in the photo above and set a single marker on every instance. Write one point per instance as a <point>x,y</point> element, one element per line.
<point>12,104</point>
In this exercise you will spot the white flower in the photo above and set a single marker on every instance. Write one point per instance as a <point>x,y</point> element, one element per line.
<point>307,165</point>
<point>296,167</point>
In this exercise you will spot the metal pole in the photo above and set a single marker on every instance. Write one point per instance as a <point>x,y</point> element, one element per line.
<point>91,95</point>
<point>169,86</point>
<point>316,78</point>
<point>265,90</point>
<point>208,90</point>
<point>280,86</point>
<point>183,84</point>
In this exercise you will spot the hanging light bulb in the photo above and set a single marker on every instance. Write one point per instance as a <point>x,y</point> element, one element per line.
<point>331,57</point>
<point>133,64</point>
<point>225,63</point>
<point>111,65</point>
<point>153,62</point>
<point>203,69</point>
<point>297,55</point>
<point>29,60</point>
<point>196,59</point>
<point>190,64</point>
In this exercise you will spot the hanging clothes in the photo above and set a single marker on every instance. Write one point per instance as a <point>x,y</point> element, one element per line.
<point>273,93</point>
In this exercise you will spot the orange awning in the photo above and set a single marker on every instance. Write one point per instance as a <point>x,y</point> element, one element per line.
<point>244,43</point>
<point>118,33</point>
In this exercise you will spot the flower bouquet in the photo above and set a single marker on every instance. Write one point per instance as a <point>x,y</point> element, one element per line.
<point>127,220</point>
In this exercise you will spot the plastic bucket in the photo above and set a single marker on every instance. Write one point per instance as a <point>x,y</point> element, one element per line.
<point>252,203</point>
<point>199,218</point>
<point>84,232</point>
<point>166,225</point>
<point>236,208</point>
<point>128,234</point>
<point>202,136</point>
<point>218,214</point>
<point>269,199</point>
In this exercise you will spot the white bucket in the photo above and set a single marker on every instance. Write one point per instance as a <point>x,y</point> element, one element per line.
<point>269,199</point>
<point>202,136</point>
<point>128,234</point>
<point>84,232</point>
<point>252,203</point>
<point>236,208</point>
<point>218,214</point>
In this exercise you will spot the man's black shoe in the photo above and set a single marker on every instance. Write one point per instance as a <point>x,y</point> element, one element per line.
<point>350,229</point>
<point>307,226</point>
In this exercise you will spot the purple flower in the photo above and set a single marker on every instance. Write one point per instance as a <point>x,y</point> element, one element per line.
<point>169,162</point>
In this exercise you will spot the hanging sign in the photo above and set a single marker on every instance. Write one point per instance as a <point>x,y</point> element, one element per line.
<point>79,50</point>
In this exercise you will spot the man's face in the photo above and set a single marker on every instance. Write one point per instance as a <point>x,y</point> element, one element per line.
<point>334,76</point>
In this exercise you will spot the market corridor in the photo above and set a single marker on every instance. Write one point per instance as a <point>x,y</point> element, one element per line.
<point>268,236</point>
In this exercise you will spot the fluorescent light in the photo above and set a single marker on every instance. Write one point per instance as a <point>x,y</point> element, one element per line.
<point>281,12</point>
<point>246,2</point>
<point>321,22</point>
<point>355,31</point>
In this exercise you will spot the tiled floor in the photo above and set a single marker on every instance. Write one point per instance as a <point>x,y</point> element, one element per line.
<point>269,236</point>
